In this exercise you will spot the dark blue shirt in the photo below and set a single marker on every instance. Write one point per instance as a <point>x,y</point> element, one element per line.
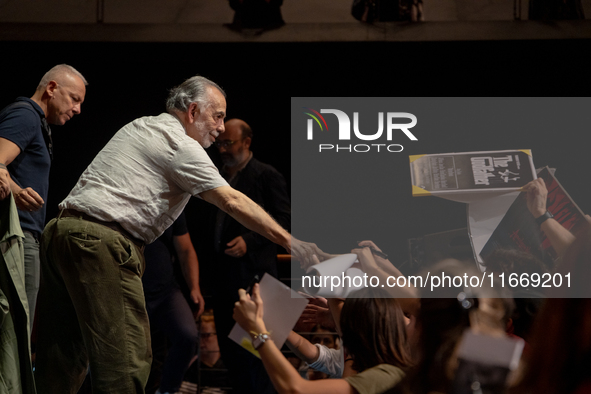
<point>20,123</point>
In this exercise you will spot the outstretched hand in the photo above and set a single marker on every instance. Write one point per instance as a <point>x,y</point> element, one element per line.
<point>383,263</point>
<point>366,259</point>
<point>369,244</point>
<point>307,253</point>
<point>314,315</point>
<point>536,197</point>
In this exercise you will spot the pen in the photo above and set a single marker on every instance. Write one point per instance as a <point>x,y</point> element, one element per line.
<point>254,281</point>
<point>375,251</point>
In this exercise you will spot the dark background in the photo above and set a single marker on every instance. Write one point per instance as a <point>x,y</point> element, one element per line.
<point>129,80</point>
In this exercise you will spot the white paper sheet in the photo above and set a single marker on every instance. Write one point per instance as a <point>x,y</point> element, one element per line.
<point>485,211</point>
<point>337,267</point>
<point>483,218</point>
<point>282,309</point>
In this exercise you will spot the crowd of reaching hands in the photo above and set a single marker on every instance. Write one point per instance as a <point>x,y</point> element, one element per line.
<point>399,340</point>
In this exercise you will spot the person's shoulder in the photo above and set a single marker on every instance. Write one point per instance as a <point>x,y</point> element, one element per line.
<point>390,369</point>
<point>20,124</point>
<point>154,132</point>
<point>162,122</point>
<point>378,379</point>
<point>20,112</point>
<point>383,371</point>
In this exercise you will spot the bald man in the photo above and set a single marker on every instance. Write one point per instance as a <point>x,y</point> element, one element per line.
<point>240,253</point>
<point>26,152</point>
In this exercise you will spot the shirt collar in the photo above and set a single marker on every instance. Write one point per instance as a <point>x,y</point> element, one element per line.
<point>34,104</point>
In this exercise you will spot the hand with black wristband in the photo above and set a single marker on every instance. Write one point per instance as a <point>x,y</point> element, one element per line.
<point>537,194</point>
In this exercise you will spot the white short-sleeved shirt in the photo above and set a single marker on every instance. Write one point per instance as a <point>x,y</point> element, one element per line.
<point>330,361</point>
<point>144,177</point>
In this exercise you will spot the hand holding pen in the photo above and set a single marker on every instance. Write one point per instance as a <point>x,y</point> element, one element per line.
<point>373,248</point>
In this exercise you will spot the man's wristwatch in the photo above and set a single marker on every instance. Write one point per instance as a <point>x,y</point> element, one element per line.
<point>259,339</point>
<point>547,215</point>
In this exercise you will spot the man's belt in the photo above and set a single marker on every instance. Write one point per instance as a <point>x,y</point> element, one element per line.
<point>72,213</point>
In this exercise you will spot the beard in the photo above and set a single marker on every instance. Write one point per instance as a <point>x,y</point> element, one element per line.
<point>229,160</point>
<point>206,139</point>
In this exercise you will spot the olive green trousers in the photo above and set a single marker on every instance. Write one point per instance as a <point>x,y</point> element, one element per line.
<point>91,311</point>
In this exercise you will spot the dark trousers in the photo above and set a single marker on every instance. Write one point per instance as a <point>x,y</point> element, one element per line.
<point>172,315</point>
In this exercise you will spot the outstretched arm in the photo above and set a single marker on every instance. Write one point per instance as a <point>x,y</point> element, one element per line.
<point>248,313</point>
<point>253,217</point>
<point>302,348</point>
<point>275,199</point>
<point>383,263</point>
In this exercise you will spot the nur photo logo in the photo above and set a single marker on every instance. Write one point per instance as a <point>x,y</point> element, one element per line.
<point>389,126</point>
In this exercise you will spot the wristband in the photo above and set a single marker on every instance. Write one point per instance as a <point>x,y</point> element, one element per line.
<point>547,215</point>
<point>259,339</point>
<point>2,165</point>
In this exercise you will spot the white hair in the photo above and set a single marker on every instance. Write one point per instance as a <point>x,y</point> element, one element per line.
<point>58,71</point>
<point>193,90</point>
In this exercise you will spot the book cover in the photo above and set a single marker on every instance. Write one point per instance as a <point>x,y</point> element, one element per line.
<point>471,172</point>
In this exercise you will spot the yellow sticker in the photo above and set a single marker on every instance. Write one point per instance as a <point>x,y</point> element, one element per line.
<point>414,157</point>
<point>419,192</point>
<point>247,344</point>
